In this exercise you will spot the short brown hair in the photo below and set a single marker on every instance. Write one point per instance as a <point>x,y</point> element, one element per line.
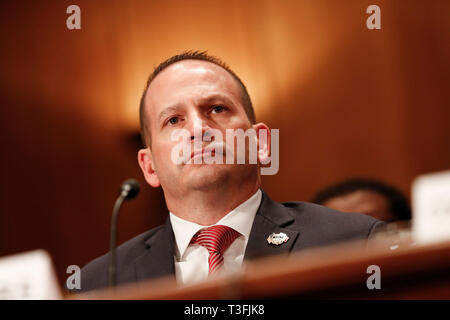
<point>193,55</point>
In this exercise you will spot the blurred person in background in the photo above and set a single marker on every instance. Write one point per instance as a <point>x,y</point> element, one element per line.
<point>366,196</point>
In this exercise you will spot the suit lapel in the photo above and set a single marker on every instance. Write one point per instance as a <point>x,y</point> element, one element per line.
<point>158,259</point>
<point>271,217</point>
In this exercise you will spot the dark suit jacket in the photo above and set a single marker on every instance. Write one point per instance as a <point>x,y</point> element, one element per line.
<point>151,254</point>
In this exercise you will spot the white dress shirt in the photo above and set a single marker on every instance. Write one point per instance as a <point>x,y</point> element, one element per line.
<point>191,260</point>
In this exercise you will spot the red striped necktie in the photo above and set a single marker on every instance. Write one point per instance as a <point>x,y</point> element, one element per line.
<point>216,240</point>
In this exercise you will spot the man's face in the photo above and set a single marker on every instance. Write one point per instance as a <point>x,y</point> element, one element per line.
<point>362,201</point>
<point>185,95</point>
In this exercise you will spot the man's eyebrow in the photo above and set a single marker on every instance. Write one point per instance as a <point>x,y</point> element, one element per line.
<point>169,110</point>
<point>216,97</point>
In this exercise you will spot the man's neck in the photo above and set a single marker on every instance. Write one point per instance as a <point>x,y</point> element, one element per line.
<point>207,207</point>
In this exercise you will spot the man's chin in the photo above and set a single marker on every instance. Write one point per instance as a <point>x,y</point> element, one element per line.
<point>206,177</point>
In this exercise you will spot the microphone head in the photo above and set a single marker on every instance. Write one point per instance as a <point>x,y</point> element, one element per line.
<point>129,189</point>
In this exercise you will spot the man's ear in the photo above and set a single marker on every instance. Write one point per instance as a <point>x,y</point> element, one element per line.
<point>145,160</point>
<point>263,138</point>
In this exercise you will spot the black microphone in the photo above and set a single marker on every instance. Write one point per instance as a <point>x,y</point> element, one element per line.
<point>128,190</point>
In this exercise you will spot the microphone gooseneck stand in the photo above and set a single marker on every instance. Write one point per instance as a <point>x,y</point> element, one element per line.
<point>129,190</point>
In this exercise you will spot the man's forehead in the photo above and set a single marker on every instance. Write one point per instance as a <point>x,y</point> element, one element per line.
<point>195,67</point>
<point>186,72</point>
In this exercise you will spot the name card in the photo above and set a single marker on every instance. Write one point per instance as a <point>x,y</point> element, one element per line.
<point>431,207</point>
<point>28,276</point>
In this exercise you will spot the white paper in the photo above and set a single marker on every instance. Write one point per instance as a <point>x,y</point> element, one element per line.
<point>431,207</point>
<point>28,276</point>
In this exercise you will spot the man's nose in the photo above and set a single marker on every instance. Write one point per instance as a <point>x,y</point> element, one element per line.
<point>198,126</point>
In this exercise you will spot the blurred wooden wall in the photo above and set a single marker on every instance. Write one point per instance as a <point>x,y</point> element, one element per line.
<point>348,102</point>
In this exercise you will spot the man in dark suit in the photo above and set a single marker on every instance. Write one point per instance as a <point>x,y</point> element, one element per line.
<point>218,215</point>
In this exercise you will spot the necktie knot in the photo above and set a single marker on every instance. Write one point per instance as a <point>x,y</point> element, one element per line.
<point>216,240</point>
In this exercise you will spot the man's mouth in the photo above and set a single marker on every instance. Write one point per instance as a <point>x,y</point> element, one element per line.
<point>203,152</point>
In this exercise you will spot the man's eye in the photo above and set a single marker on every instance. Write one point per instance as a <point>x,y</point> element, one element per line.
<point>173,120</point>
<point>218,109</point>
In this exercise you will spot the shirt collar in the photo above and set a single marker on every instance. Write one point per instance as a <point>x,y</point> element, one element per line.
<point>240,219</point>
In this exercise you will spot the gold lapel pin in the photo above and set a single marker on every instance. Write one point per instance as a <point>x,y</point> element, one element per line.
<point>277,238</point>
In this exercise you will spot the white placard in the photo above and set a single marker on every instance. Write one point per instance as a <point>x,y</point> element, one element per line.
<point>28,276</point>
<point>431,207</point>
